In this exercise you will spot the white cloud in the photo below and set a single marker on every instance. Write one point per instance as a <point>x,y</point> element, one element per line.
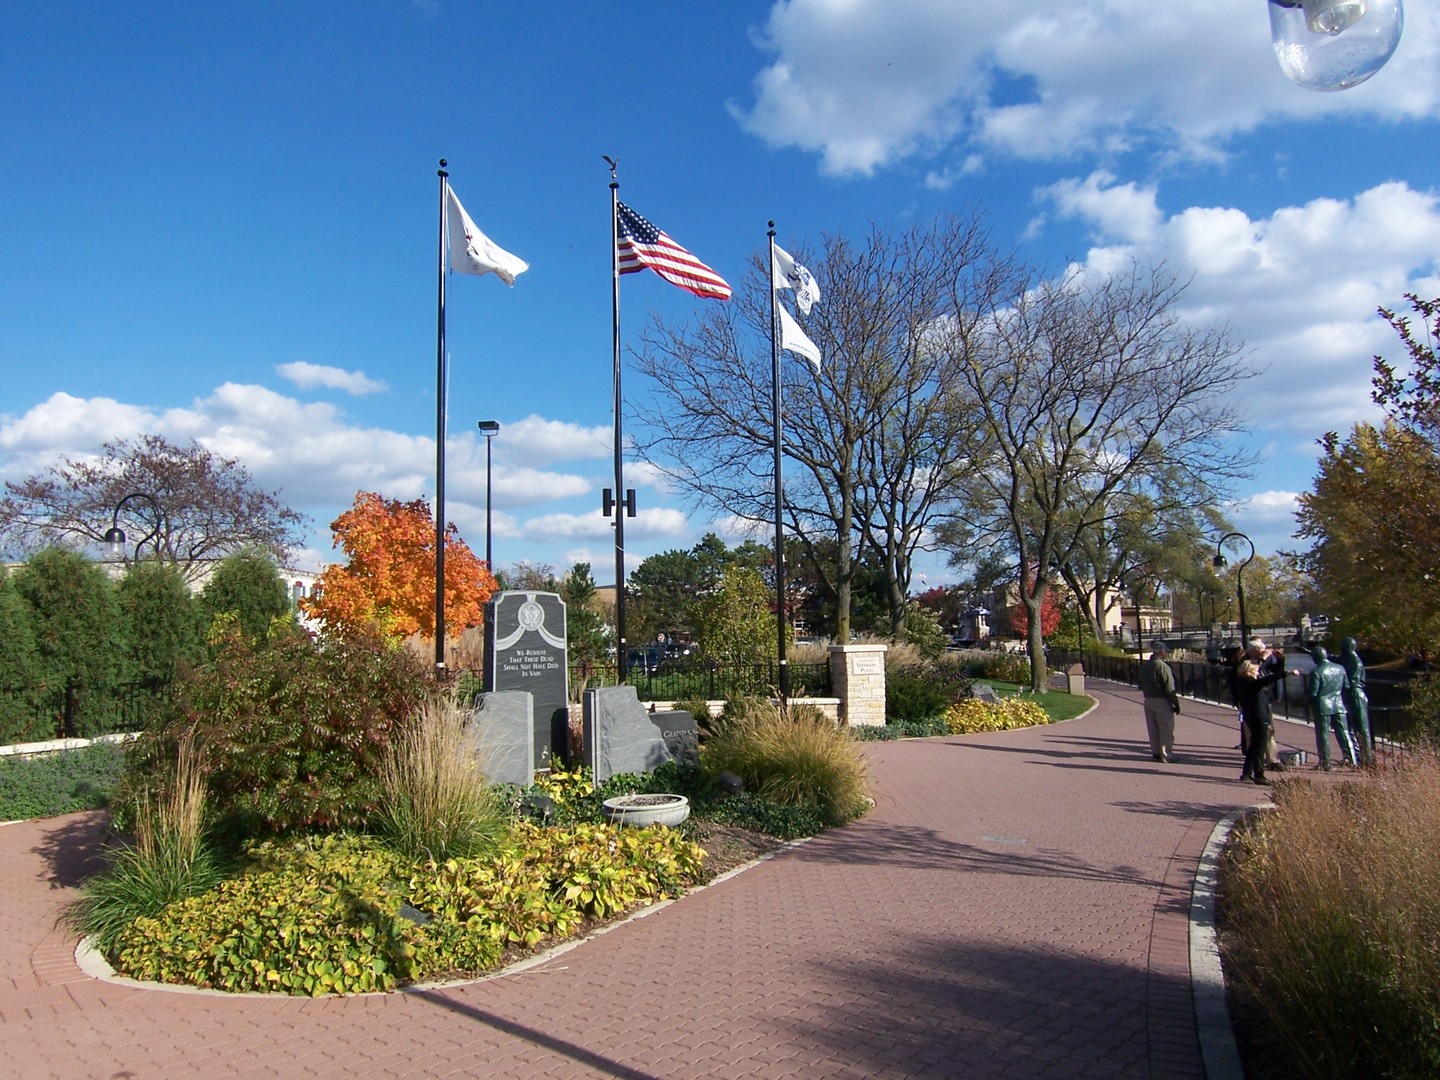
<point>62,419</point>
<point>1124,211</point>
<point>539,441</point>
<point>309,376</point>
<point>1269,506</point>
<point>317,460</point>
<point>1300,288</point>
<point>867,83</point>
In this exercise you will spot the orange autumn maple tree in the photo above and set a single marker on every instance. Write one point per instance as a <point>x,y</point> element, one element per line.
<point>388,585</point>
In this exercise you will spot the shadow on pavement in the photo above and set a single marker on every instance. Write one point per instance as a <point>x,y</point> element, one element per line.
<point>963,1008</point>
<point>914,847</point>
<point>602,1065</point>
<point>73,848</point>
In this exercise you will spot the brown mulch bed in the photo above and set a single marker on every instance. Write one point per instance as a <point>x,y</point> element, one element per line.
<point>727,846</point>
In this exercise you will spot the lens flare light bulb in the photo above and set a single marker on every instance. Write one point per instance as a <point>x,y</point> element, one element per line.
<point>1334,44</point>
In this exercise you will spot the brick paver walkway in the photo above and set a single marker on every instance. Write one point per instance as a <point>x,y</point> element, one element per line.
<point>1014,906</point>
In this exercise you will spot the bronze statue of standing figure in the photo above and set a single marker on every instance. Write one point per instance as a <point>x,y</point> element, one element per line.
<point>1327,684</point>
<point>1357,702</point>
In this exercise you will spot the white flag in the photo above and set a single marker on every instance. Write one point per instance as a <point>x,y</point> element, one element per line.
<point>794,339</point>
<point>471,251</point>
<point>788,274</point>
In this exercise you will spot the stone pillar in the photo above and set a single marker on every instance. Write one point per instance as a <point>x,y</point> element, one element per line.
<point>857,677</point>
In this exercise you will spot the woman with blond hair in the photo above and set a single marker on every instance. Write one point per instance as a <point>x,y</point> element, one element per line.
<point>1252,695</point>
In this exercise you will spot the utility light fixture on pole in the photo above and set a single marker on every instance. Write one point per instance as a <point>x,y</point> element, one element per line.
<point>1220,563</point>
<point>115,536</point>
<point>488,428</point>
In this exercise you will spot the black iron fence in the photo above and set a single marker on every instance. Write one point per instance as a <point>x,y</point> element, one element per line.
<point>70,711</point>
<point>28,714</point>
<point>1389,695</point>
<point>684,679</point>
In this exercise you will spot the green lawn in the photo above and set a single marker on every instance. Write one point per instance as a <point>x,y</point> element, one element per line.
<point>1057,704</point>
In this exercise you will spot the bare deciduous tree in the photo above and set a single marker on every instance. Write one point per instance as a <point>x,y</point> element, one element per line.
<point>873,443</point>
<point>1098,402</point>
<point>204,506</point>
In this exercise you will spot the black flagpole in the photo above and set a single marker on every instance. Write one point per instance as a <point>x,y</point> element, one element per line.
<point>622,499</point>
<point>779,482</point>
<point>440,442</point>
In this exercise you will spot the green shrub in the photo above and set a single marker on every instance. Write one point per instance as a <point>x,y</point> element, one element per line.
<point>923,631</point>
<point>1422,715</point>
<point>247,587</point>
<point>1330,921</point>
<point>900,729</point>
<point>75,622</point>
<point>1005,666</point>
<point>21,717</point>
<point>919,691</point>
<point>60,783</point>
<point>795,756</point>
<point>437,803</point>
<point>748,810</point>
<point>973,715</point>
<point>293,733</point>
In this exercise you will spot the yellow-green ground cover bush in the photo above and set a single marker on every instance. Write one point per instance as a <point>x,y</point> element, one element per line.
<point>972,715</point>
<point>344,915</point>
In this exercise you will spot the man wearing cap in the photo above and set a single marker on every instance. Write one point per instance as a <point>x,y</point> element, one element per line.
<point>1157,687</point>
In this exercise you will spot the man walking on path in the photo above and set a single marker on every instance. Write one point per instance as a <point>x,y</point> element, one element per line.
<point>1162,703</point>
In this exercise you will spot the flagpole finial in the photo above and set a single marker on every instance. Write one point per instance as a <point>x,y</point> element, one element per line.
<point>441,171</point>
<point>614,164</point>
<point>772,229</point>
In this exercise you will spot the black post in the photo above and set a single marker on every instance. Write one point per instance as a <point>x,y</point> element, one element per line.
<point>620,500</point>
<point>440,439</point>
<point>779,481</point>
<point>488,428</point>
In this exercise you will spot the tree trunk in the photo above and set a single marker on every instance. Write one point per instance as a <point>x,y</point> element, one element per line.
<point>1035,637</point>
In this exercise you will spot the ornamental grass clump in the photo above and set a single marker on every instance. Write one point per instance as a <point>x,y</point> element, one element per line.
<point>169,860</point>
<point>1330,922</point>
<point>792,755</point>
<point>436,802</point>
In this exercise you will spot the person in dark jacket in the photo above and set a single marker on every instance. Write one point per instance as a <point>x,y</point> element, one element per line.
<point>1252,695</point>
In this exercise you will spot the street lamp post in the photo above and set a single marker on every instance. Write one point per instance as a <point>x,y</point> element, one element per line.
<point>1220,563</point>
<point>488,428</point>
<point>115,536</point>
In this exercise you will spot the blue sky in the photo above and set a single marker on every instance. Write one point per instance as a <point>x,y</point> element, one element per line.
<point>220,221</point>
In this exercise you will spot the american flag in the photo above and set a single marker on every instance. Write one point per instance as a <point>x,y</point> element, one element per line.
<point>641,244</point>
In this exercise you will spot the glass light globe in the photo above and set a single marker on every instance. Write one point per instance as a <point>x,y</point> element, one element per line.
<point>1334,44</point>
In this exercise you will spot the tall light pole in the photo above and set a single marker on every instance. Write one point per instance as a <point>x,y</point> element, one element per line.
<point>488,428</point>
<point>115,536</point>
<point>1220,563</point>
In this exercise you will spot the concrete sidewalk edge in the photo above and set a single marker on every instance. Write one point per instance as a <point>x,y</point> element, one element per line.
<point>1218,1050</point>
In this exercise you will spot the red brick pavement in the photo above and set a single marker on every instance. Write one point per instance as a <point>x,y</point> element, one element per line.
<point>1015,906</point>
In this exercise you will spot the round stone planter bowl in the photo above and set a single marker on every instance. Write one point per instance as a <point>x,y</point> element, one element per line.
<point>647,809</point>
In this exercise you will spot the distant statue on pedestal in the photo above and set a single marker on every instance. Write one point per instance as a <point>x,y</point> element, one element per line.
<point>1357,702</point>
<point>1327,685</point>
